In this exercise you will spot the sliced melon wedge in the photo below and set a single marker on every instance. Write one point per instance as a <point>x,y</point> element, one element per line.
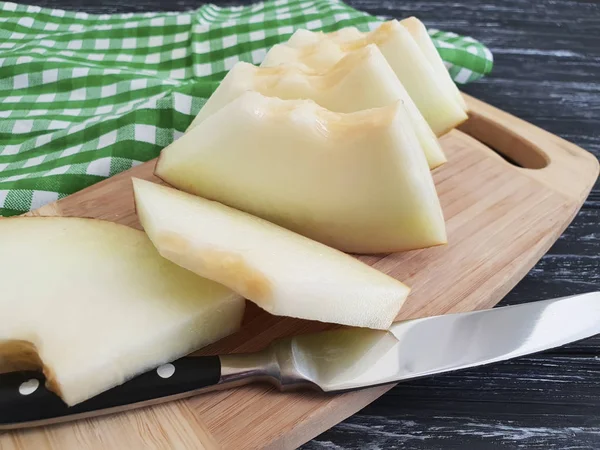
<point>92,304</point>
<point>419,33</point>
<point>358,182</point>
<point>320,56</point>
<point>416,28</point>
<point>427,86</point>
<point>365,74</point>
<point>282,272</point>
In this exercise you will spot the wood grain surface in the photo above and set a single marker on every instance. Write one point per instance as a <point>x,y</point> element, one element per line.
<point>500,218</point>
<point>547,71</point>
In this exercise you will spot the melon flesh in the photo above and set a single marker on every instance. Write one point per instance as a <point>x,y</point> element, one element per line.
<point>358,182</point>
<point>320,56</point>
<point>282,272</point>
<point>427,86</point>
<point>416,28</point>
<point>419,33</point>
<point>92,304</point>
<point>365,74</point>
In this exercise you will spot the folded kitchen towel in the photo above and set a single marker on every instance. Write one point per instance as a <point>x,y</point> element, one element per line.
<point>83,97</point>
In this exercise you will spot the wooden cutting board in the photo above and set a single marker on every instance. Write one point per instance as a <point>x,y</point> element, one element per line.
<point>501,219</point>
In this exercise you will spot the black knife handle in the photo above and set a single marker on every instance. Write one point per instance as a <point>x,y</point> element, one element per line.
<point>25,401</point>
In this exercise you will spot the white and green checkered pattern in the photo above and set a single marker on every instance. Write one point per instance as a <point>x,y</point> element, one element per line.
<point>83,97</point>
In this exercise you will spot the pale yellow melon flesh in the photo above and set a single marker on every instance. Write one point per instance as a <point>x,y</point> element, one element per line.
<point>319,56</point>
<point>358,182</point>
<point>419,33</point>
<point>281,271</point>
<point>427,86</point>
<point>361,80</point>
<point>92,304</point>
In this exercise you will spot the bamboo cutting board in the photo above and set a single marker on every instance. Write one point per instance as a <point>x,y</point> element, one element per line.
<point>501,219</point>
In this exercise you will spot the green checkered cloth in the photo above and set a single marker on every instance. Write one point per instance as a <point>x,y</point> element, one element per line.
<point>83,97</point>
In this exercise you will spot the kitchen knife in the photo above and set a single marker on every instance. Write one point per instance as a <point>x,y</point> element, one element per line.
<point>331,361</point>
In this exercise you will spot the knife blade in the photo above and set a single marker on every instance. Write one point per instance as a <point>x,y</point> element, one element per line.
<point>330,361</point>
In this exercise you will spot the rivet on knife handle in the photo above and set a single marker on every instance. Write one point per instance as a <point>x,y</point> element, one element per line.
<point>25,401</point>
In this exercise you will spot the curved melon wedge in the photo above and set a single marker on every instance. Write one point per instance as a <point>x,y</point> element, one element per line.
<point>282,272</point>
<point>320,56</point>
<point>418,31</point>
<point>92,304</point>
<point>427,86</point>
<point>358,182</point>
<point>364,73</point>
<point>416,28</point>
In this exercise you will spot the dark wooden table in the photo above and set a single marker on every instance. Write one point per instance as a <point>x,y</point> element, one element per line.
<point>547,71</point>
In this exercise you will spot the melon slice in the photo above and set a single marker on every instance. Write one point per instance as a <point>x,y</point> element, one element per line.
<point>282,272</point>
<point>419,33</point>
<point>319,57</point>
<point>416,28</point>
<point>92,304</point>
<point>365,74</point>
<point>427,86</point>
<point>358,182</point>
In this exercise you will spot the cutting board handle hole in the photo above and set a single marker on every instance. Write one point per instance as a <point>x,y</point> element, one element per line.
<point>512,147</point>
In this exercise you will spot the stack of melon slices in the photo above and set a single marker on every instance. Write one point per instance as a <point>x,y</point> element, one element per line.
<point>326,148</point>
